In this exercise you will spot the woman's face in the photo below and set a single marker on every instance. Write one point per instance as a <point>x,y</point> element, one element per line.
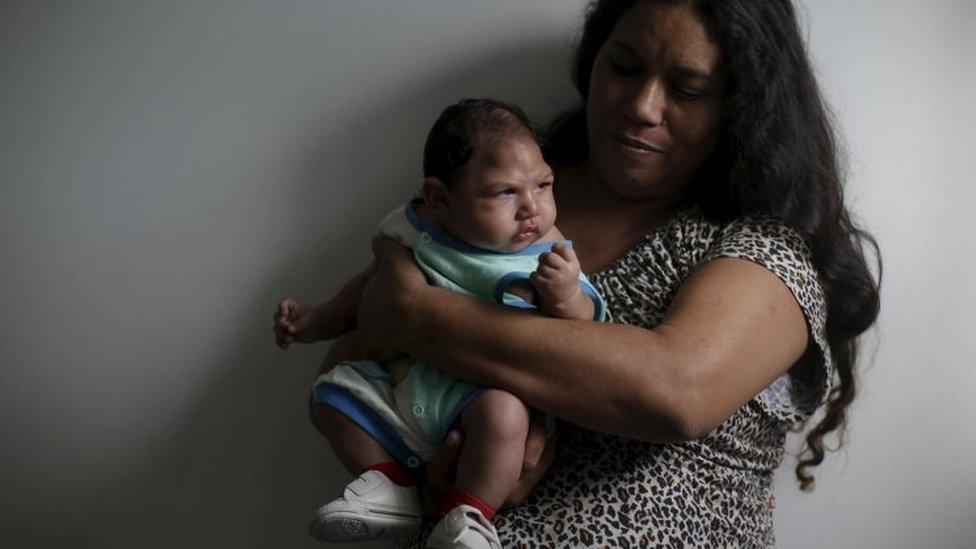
<point>655,105</point>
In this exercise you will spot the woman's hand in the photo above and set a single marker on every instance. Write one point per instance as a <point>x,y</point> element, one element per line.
<point>439,475</point>
<point>384,311</point>
<point>540,451</point>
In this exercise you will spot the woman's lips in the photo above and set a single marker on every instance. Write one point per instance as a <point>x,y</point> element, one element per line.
<point>636,146</point>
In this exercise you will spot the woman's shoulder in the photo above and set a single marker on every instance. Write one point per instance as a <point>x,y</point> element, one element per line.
<point>782,250</point>
<point>692,227</point>
<point>775,245</point>
<point>759,232</point>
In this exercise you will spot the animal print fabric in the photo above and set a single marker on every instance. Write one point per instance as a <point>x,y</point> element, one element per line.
<point>604,490</point>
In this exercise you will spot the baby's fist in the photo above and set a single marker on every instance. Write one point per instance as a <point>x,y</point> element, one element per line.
<point>557,276</point>
<point>294,321</point>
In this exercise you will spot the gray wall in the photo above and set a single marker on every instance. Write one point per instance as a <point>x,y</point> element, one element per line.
<point>169,170</point>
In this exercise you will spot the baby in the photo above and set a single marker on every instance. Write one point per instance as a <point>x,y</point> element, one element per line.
<point>485,228</point>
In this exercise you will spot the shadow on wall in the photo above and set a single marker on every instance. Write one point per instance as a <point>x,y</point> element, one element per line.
<point>246,468</point>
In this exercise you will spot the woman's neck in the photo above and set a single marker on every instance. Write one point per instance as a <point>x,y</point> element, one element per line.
<point>588,197</point>
<point>602,224</point>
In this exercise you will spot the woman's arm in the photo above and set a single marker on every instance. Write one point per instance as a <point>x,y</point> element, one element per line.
<point>731,330</point>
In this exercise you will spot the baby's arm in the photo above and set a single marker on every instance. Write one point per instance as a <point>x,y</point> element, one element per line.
<point>557,282</point>
<point>297,322</point>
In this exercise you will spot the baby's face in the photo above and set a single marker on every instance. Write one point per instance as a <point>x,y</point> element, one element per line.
<point>503,201</point>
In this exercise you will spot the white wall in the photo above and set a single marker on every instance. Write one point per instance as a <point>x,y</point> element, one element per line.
<point>900,77</point>
<point>169,170</point>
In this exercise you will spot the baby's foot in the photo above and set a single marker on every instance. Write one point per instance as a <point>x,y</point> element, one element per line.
<point>371,507</point>
<point>464,528</point>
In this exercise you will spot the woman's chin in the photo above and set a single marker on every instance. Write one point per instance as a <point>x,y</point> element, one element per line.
<point>631,186</point>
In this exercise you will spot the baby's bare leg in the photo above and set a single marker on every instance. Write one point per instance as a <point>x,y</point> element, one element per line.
<point>355,449</point>
<point>495,425</point>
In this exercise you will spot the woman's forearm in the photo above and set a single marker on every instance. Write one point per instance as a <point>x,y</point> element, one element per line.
<point>610,378</point>
<point>732,328</point>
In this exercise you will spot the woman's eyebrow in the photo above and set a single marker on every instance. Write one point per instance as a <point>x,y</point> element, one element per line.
<point>684,71</point>
<point>681,71</point>
<point>623,46</point>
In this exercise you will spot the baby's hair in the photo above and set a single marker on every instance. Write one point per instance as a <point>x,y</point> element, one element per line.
<point>460,127</point>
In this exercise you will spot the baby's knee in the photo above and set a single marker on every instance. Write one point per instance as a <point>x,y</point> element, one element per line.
<point>499,410</point>
<point>326,419</point>
<point>321,415</point>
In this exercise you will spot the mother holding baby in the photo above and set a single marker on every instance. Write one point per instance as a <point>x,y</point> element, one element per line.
<point>699,181</point>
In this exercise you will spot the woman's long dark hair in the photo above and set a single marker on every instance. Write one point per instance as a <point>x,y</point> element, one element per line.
<point>778,157</point>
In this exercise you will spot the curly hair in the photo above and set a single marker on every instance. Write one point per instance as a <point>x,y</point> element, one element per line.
<point>778,156</point>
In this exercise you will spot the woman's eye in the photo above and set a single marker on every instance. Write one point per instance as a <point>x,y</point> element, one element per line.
<point>687,94</point>
<point>544,185</point>
<point>624,70</point>
<point>507,192</point>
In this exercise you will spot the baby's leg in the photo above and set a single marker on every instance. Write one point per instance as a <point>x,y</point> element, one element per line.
<point>355,449</point>
<point>495,424</point>
<point>381,502</point>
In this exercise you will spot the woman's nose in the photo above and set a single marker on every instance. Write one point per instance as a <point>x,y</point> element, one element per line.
<point>648,103</point>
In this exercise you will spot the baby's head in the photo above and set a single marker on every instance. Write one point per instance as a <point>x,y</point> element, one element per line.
<point>484,176</point>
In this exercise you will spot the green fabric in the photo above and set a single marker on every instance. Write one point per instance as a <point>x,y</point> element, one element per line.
<point>468,273</point>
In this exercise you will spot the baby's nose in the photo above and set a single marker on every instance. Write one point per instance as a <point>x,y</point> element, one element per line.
<point>529,207</point>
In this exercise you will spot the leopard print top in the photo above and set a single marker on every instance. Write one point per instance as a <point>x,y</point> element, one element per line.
<point>604,490</point>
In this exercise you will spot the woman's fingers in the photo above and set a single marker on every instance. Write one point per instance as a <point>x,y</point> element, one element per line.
<point>530,477</point>
<point>396,255</point>
<point>439,475</point>
<point>384,245</point>
<point>443,464</point>
<point>535,444</point>
<point>389,298</point>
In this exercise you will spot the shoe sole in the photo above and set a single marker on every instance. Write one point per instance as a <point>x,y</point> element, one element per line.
<point>340,526</point>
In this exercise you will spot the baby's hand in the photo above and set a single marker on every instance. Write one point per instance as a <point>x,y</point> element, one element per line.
<point>295,321</point>
<point>557,279</point>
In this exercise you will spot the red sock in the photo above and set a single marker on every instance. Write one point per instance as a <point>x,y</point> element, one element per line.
<point>393,471</point>
<point>460,497</point>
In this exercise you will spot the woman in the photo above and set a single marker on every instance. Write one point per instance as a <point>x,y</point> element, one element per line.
<point>700,185</point>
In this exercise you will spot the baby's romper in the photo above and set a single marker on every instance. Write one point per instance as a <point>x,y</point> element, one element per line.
<point>409,406</point>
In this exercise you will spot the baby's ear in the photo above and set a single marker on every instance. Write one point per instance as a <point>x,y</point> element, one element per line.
<point>435,193</point>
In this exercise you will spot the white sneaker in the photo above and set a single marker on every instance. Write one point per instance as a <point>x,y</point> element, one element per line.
<point>371,507</point>
<point>464,528</point>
